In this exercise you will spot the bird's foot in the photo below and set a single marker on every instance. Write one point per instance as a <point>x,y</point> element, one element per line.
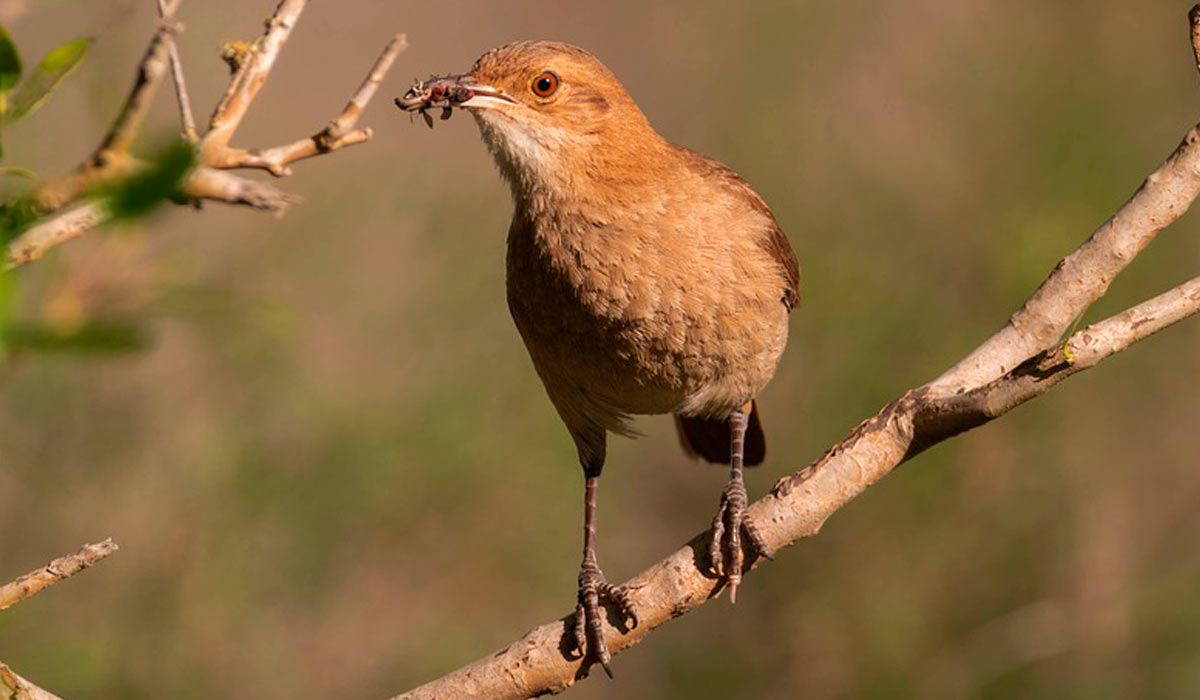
<point>594,591</point>
<point>725,550</point>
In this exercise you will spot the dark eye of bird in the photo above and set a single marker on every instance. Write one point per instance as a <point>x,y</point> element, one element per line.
<point>545,84</point>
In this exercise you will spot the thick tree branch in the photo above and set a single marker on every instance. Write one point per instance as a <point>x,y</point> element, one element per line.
<point>38,580</point>
<point>1020,362</point>
<point>112,161</point>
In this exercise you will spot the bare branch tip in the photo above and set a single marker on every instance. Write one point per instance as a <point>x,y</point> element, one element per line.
<point>186,119</point>
<point>63,567</point>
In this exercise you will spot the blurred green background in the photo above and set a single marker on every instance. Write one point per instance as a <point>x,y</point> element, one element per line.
<point>333,472</point>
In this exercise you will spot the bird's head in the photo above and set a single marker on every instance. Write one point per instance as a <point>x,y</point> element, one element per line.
<point>551,113</point>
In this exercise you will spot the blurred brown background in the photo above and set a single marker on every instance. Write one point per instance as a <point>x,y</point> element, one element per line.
<point>334,472</point>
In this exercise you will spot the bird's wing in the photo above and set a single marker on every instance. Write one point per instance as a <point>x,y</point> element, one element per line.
<point>775,242</point>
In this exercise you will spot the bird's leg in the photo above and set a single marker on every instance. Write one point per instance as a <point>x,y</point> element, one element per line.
<point>731,519</point>
<point>594,589</point>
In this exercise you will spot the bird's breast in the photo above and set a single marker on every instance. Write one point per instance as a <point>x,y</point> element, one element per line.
<point>646,315</point>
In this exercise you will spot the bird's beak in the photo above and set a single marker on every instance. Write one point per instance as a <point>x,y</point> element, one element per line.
<point>452,91</point>
<point>483,96</point>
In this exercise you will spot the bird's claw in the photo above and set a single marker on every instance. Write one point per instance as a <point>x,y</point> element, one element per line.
<point>587,628</point>
<point>725,549</point>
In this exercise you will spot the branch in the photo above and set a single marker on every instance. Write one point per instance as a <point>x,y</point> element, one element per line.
<point>221,186</point>
<point>29,585</point>
<point>339,133</point>
<point>21,689</point>
<point>1023,360</point>
<point>202,184</point>
<point>34,243</point>
<point>1084,276</point>
<point>1194,22</point>
<point>150,73</point>
<point>251,75</point>
<point>36,581</point>
<point>186,119</point>
<point>1040,373</point>
<point>111,161</point>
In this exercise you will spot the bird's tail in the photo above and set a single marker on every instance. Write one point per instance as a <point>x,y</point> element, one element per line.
<point>709,439</point>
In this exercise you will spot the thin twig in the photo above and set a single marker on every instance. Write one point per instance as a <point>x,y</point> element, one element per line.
<point>339,133</point>
<point>150,73</point>
<point>36,581</point>
<point>20,688</point>
<point>110,160</point>
<point>251,76</point>
<point>186,118</point>
<point>354,108</point>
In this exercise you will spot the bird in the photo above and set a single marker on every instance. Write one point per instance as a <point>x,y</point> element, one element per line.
<point>643,277</point>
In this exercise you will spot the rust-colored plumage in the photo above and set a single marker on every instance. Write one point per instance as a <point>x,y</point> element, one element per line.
<point>643,277</point>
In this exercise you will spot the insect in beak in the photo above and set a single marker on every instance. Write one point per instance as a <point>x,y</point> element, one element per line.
<point>448,92</point>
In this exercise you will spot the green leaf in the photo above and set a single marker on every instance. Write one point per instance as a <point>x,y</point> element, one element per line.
<point>162,180</point>
<point>10,62</point>
<point>95,337</point>
<point>53,69</point>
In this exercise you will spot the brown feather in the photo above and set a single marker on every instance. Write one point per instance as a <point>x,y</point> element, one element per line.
<point>709,438</point>
<point>776,242</point>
